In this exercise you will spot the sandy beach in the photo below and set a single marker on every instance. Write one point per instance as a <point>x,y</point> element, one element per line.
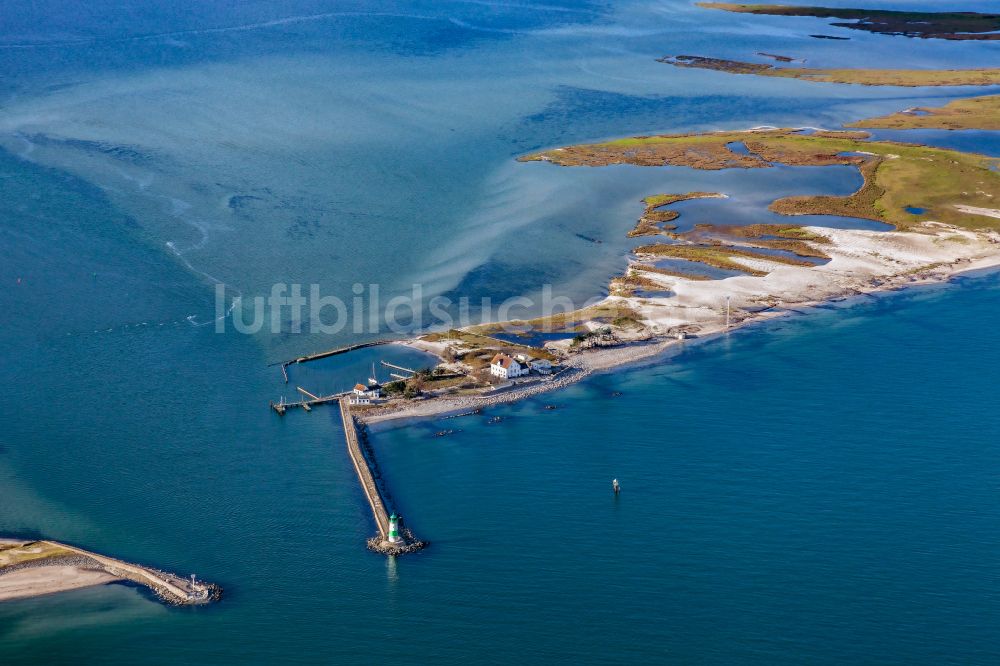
<point>37,581</point>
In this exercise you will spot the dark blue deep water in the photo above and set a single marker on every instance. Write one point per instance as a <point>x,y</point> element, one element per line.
<point>821,489</point>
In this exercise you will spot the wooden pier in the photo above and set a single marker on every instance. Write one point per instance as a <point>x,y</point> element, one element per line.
<point>311,400</point>
<point>386,364</point>
<point>371,490</point>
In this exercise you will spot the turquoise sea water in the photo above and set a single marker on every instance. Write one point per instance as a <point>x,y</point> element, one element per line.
<point>820,489</point>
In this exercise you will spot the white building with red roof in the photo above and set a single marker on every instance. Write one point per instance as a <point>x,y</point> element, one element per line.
<point>363,395</point>
<point>507,367</point>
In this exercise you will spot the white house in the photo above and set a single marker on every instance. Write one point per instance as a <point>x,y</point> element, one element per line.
<point>506,367</point>
<point>541,366</point>
<point>371,391</point>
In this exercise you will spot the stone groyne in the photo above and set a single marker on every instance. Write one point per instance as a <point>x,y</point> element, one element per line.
<point>168,587</point>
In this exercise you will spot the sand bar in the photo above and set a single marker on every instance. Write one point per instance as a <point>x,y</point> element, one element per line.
<point>38,581</point>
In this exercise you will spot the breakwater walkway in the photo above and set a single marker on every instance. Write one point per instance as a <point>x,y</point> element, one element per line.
<point>170,588</point>
<point>370,488</point>
<point>332,352</point>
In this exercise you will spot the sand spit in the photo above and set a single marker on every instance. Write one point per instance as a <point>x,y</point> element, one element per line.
<point>861,262</point>
<point>37,581</point>
<point>33,568</point>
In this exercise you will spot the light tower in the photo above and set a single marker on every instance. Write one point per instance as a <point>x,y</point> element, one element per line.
<point>394,529</point>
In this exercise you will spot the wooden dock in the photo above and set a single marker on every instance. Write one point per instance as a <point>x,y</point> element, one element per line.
<point>386,364</point>
<point>307,404</point>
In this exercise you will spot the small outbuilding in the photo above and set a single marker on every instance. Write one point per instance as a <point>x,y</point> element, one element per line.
<point>541,366</point>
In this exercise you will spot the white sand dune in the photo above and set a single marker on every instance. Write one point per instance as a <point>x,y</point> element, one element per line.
<point>975,210</point>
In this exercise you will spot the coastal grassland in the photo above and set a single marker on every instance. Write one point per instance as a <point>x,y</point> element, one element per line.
<point>897,176</point>
<point>778,230</point>
<point>708,152</point>
<point>647,268</point>
<point>433,382</point>
<point>602,313</point>
<point>475,338</point>
<point>937,25</point>
<point>466,339</point>
<point>698,151</point>
<point>659,200</point>
<point>626,285</point>
<point>863,204</point>
<point>800,248</point>
<point>775,57</point>
<point>655,221</point>
<point>841,134</point>
<point>799,240</point>
<point>718,256</point>
<point>34,551</point>
<point>907,78</point>
<point>974,113</point>
<point>608,312</point>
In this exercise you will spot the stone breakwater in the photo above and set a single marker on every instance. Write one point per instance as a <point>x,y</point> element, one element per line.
<point>374,488</point>
<point>410,545</point>
<point>379,544</point>
<point>169,588</point>
<point>80,561</point>
<point>207,593</point>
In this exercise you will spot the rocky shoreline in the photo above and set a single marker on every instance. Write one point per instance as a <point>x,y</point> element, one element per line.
<point>80,561</point>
